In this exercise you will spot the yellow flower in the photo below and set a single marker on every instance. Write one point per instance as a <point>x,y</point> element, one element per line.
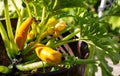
<point>47,54</point>
<point>22,33</point>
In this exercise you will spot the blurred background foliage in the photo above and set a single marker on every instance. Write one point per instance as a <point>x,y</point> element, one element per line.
<point>112,13</point>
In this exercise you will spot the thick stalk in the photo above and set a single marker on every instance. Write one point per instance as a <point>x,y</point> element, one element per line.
<point>85,61</point>
<point>8,23</point>
<point>31,66</point>
<point>13,47</point>
<point>5,40</point>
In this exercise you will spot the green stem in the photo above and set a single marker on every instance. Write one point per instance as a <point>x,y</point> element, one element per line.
<point>50,43</point>
<point>42,26</point>
<point>5,40</point>
<point>8,23</point>
<point>4,34</point>
<point>91,56</point>
<point>34,24</point>
<point>85,61</point>
<point>43,68</point>
<point>28,9</point>
<point>4,69</point>
<point>64,42</point>
<point>55,3</point>
<point>34,8</point>
<point>92,52</point>
<point>43,15</point>
<point>18,12</point>
<point>13,46</point>
<point>71,35</point>
<point>31,66</point>
<point>18,24</point>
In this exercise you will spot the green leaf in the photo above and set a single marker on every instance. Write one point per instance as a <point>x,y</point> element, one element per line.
<point>4,69</point>
<point>6,41</point>
<point>91,70</point>
<point>115,57</point>
<point>106,69</point>
<point>13,50</point>
<point>67,4</point>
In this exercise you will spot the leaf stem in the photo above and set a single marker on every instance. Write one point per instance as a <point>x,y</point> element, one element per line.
<point>85,61</point>
<point>8,23</point>
<point>28,9</point>
<point>71,35</point>
<point>18,12</point>
<point>31,66</point>
<point>13,48</point>
<point>35,10</point>
<point>5,40</point>
<point>59,43</point>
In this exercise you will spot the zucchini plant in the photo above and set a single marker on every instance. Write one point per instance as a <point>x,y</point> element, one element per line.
<point>42,22</point>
